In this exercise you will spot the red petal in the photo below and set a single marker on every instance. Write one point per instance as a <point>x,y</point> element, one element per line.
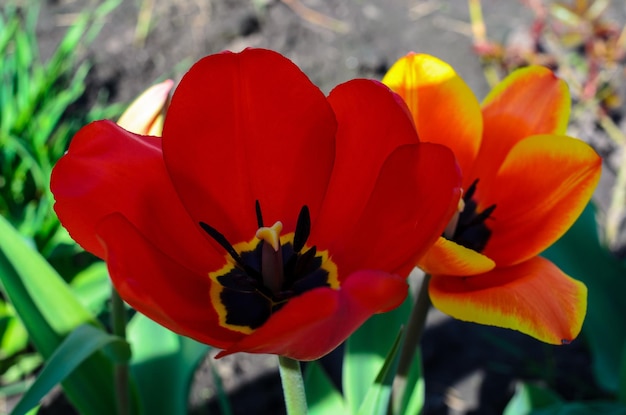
<point>108,169</point>
<point>528,102</point>
<point>416,194</point>
<point>444,108</point>
<point>246,127</point>
<point>372,123</point>
<point>534,297</point>
<point>156,285</point>
<point>540,190</point>
<point>315,323</point>
<point>382,184</point>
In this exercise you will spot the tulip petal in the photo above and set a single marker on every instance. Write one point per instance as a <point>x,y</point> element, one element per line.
<point>444,108</point>
<point>313,324</point>
<point>244,127</point>
<point>416,194</point>
<point>449,258</point>
<point>156,285</point>
<point>530,101</point>
<point>372,123</point>
<point>534,297</point>
<point>540,190</point>
<point>143,114</point>
<point>107,170</point>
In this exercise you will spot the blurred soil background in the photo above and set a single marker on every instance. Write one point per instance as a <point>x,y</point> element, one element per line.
<point>469,369</point>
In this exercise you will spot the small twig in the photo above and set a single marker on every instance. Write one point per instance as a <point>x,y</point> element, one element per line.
<point>615,211</point>
<point>479,34</point>
<point>316,17</point>
<point>143,22</point>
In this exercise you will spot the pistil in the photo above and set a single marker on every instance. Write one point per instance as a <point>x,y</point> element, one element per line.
<point>271,257</point>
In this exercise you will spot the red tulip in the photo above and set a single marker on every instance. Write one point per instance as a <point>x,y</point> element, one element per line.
<point>269,218</point>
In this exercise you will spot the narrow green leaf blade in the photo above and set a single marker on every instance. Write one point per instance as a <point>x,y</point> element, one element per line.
<point>76,348</point>
<point>54,304</point>
<point>366,351</point>
<point>415,392</point>
<point>321,395</point>
<point>528,398</point>
<point>377,398</point>
<point>583,408</point>
<point>49,311</point>
<point>158,351</point>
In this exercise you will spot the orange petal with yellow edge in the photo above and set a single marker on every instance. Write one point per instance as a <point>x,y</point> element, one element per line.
<point>444,108</point>
<point>539,192</point>
<point>449,258</point>
<point>534,297</point>
<point>529,101</point>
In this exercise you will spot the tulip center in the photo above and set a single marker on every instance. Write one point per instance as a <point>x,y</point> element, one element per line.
<point>261,275</point>
<point>472,230</point>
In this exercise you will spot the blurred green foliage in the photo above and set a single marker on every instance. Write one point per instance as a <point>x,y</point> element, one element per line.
<point>38,117</point>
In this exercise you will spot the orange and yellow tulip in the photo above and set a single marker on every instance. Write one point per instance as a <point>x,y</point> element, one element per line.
<point>525,183</point>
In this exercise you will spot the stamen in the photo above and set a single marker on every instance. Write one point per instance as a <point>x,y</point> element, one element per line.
<point>472,230</point>
<point>272,257</point>
<point>303,229</point>
<point>304,261</point>
<point>470,191</point>
<point>482,216</point>
<point>259,216</point>
<point>221,239</point>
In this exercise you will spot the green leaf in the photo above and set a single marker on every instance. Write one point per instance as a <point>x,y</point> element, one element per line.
<point>529,397</point>
<point>23,366</point>
<point>321,395</point>
<point>621,393</point>
<point>377,399</point>
<point>92,287</point>
<point>366,351</point>
<point>163,364</point>
<point>415,392</point>
<point>49,311</point>
<point>13,335</point>
<point>19,387</point>
<point>579,254</point>
<point>37,292</point>
<point>76,348</point>
<point>583,408</point>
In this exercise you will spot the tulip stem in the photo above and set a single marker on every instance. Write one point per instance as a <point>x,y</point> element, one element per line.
<point>293,386</point>
<point>414,330</point>
<point>118,324</point>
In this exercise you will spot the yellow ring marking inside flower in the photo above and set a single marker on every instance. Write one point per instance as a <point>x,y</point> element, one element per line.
<point>327,264</point>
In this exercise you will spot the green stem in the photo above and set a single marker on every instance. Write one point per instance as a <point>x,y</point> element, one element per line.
<point>293,386</point>
<point>118,323</point>
<point>414,330</point>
